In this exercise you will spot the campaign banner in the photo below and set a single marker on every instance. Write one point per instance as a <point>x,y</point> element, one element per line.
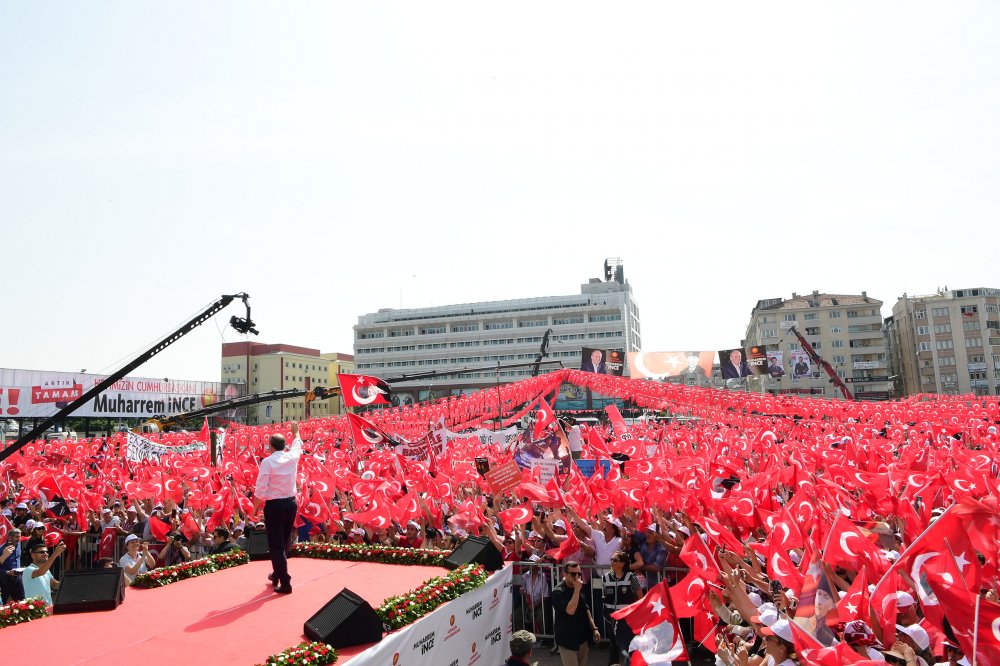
<point>775,363</point>
<point>472,629</point>
<point>733,363</point>
<point>757,359</point>
<point>40,393</point>
<point>661,365</point>
<point>504,478</point>
<point>801,365</point>
<point>139,448</point>
<point>548,468</point>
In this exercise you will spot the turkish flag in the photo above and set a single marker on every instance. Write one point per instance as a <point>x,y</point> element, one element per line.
<point>722,536</point>
<point>847,547</point>
<point>854,604</point>
<point>377,515</point>
<point>159,529</point>
<point>700,559</point>
<point>315,509</point>
<point>688,595</point>
<point>106,547</point>
<point>361,390</point>
<point>544,416</point>
<point>568,546</point>
<point>780,566</point>
<point>5,527</point>
<point>406,508</point>
<point>658,638</point>
<point>516,515</point>
<point>974,620</point>
<point>366,432</point>
<point>189,527</point>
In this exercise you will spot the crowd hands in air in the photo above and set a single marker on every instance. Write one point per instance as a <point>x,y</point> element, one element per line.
<point>781,540</point>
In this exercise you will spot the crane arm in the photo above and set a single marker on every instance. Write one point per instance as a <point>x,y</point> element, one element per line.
<point>108,381</point>
<point>827,368</point>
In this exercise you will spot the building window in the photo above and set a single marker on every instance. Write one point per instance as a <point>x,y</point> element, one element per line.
<point>837,343</point>
<point>942,328</point>
<point>498,325</point>
<point>809,316</point>
<point>790,317</point>
<point>834,314</point>
<point>920,314</point>
<point>939,312</point>
<point>567,320</point>
<point>924,346</point>
<point>464,328</point>
<point>923,330</point>
<point>607,317</point>
<point>834,330</point>
<point>533,322</point>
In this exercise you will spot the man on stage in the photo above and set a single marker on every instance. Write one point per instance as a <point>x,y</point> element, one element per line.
<point>276,489</point>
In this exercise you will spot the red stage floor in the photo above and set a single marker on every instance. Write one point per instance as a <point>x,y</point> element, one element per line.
<point>229,617</point>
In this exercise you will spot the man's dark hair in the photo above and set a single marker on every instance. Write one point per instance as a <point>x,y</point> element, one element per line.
<point>278,442</point>
<point>570,563</point>
<point>221,532</point>
<point>38,546</point>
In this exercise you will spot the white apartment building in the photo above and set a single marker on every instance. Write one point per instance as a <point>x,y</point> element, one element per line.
<point>845,330</point>
<point>949,342</point>
<point>392,343</point>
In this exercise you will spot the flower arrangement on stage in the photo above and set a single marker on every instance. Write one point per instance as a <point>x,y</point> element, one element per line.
<point>400,611</point>
<point>304,653</point>
<point>17,612</point>
<point>172,574</point>
<point>366,553</point>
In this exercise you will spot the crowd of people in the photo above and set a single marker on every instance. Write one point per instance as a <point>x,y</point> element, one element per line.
<point>768,529</point>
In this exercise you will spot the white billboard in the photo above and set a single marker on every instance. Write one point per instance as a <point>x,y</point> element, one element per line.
<point>40,393</point>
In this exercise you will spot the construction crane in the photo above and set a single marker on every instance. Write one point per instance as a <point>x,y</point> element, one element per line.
<point>827,368</point>
<point>242,325</point>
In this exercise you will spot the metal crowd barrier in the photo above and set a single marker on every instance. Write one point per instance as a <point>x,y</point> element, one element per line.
<point>534,582</point>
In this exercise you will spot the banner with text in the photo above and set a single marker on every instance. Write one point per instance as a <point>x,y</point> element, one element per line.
<point>39,393</point>
<point>473,629</point>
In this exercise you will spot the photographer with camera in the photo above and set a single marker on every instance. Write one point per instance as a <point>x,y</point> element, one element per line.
<point>174,551</point>
<point>137,558</point>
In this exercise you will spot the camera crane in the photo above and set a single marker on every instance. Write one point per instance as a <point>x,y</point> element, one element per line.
<point>242,324</point>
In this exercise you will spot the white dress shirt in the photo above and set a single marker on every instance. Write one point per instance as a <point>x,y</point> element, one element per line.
<point>278,471</point>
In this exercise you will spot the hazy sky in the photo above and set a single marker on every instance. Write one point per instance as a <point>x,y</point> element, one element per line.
<point>332,159</point>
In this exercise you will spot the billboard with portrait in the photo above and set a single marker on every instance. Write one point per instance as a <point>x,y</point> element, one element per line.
<point>801,365</point>
<point>733,363</point>
<point>775,363</point>
<point>594,360</point>
<point>661,365</point>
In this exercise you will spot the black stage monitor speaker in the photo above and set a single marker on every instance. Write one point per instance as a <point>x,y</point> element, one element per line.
<point>257,546</point>
<point>475,550</point>
<point>345,620</point>
<point>90,590</point>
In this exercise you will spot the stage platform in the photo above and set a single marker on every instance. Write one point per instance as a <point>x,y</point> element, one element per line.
<point>228,617</point>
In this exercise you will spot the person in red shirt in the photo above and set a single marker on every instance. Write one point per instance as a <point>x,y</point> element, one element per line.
<point>412,537</point>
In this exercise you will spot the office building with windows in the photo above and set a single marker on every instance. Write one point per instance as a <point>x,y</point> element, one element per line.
<point>270,367</point>
<point>395,344</point>
<point>845,330</point>
<point>949,342</point>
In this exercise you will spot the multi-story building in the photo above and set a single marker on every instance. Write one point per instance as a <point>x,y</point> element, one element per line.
<point>339,364</point>
<point>264,367</point>
<point>395,343</point>
<point>844,329</point>
<point>949,342</point>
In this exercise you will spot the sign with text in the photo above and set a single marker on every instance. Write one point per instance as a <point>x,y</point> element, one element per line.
<point>40,393</point>
<point>588,466</point>
<point>504,478</point>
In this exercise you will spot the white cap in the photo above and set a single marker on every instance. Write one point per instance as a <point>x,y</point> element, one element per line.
<point>917,634</point>
<point>782,629</point>
<point>131,537</point>
<point>767,614</point>
<point>21,505</point>
<point>904,599</point>
<point>559,523</point>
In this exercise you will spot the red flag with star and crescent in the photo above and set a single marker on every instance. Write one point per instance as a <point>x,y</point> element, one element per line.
<point>362,390</point>
<point>658,638</point>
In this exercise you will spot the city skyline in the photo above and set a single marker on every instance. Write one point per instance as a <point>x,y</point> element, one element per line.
<point>332,161</point>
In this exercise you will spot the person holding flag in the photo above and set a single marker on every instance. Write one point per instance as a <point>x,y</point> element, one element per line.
<point>275,489</point>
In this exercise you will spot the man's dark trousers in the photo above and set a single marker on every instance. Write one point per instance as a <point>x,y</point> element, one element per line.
<point>279,519</point>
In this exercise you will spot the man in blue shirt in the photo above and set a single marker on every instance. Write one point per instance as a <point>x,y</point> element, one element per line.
<point>37,580</point>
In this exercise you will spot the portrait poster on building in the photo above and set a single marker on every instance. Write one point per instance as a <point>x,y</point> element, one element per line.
<point>757,359</point>
<point>593,360</point>
<point>801,366</point>
<point>775,363</point>
<point>733,363</point>
<point>614,360</point>
<point>661,365</point>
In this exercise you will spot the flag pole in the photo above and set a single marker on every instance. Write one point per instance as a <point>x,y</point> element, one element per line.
<point>975,632</point>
